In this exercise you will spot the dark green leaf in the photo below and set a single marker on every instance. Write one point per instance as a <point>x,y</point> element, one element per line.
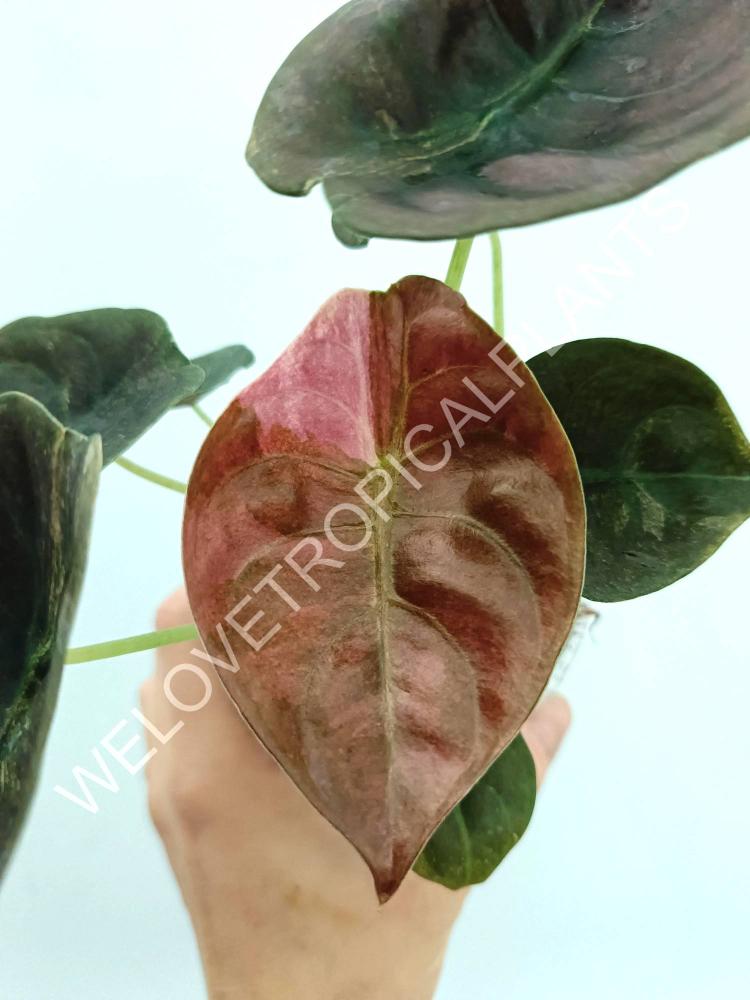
<point>427,119</point>
<point>47,493</point>
<point>112,372</point>
<point>219,366</point>
<point>475,837</point>
<point>664,463</point>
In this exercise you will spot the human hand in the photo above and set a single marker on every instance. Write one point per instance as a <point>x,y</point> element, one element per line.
<point>281,904</point>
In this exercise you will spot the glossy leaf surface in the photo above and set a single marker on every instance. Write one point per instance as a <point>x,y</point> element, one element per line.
<point>47,493</point>
<point>407,660</point>
<point>429,119</point>
<point>486,825</point>
<point>664,463</point>
<point>218,367</point>
<point>112,372</point>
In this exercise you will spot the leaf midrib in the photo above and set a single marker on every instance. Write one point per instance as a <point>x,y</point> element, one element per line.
<point>529,84</point>
<point>594,476</point>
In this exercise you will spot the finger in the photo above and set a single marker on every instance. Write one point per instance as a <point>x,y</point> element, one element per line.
<point>545,731</point>
<point>147,702</point>
<point>185,678</point>
<point>174,610</point>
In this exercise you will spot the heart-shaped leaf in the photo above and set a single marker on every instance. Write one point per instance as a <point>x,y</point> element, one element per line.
<point>664,463</point>
<point>112,372</point>
<point>430,119</point>
<point>386,531</point>
<point>47,493</point>
<point>218,367</point>
<point>486,825</point>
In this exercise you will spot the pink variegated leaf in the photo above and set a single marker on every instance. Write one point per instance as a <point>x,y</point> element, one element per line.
<point>387,529</point>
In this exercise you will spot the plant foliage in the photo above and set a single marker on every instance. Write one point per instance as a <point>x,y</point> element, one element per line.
<point>47,492</point>
<point>418,646</point>
<point>664,463</point>
<point>429,119</point>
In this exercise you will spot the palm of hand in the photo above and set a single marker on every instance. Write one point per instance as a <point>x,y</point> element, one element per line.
<point>281,904</point>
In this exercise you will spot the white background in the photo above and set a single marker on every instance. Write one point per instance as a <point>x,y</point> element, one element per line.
<point>122,182</point>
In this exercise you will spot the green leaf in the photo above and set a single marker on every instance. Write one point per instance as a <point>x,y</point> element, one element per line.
<point>427,120</point>
<point>112,372</point>
<point>488,823</point>
<point>218,366</point>
<point>664,463</point>
<point>47,493</point>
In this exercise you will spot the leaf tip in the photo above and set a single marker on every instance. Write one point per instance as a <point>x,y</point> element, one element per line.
<point>349,237</point>
<point>386,887</point>
<point>389,875</point>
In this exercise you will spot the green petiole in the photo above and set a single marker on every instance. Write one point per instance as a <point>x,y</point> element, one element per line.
<point>498,296</point>
<point>203,415</point>
<point>133,644</point>
<point>458,263</point>
<point>152,477</point>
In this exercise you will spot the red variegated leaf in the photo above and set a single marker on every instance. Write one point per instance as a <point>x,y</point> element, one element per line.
<point>384,545</point>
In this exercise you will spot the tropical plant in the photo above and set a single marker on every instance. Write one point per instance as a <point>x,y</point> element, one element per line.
<point>420,507</point>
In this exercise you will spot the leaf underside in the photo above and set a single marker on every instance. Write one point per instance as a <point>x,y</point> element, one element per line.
<point>486,825</point>
<point>111,372</point>
<point>664,463</point>
<point>47,493</point>
<point>427,120</point>
<point>413,665</point>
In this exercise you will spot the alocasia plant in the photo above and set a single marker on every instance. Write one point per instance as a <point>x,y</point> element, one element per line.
<point>431,627</point>
<point>112,372</point>
<point>665,466</point>
<point>385,534</point>
<point>427,119</point>
<point>485,825</point>
<point>47,492</point>
<point>75,391</point>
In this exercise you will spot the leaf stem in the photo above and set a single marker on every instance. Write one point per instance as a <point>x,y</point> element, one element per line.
<point>133,644</point>
<point>203,415</point>
<point>498,292</point>
<point>458,263</point>
<point>152,477</point>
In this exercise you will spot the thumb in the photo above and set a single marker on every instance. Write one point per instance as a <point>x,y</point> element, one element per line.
<point>545,730</point>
